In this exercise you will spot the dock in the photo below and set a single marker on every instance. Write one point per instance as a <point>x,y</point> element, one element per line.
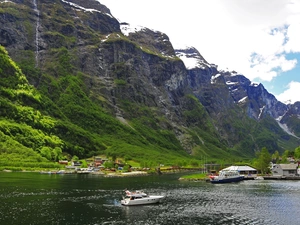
<point>281,177</point>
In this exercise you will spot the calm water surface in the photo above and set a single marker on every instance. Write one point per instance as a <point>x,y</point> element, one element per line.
<point>32,198</point>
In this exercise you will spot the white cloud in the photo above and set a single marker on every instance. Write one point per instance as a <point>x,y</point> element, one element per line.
<point>291,94</point>
<point>268,67</point>
<point>293,36</point>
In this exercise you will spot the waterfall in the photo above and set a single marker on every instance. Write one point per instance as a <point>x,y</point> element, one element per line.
<point>36,33</point>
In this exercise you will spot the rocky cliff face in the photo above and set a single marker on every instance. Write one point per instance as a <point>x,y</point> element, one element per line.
<point>134,72</point>
<point>222,92</point>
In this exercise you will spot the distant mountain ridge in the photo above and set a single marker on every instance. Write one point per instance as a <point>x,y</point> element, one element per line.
<point>109,79</point>
<point>258,100</point>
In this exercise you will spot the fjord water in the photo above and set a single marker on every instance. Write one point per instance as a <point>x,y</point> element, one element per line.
<point>33,198</point>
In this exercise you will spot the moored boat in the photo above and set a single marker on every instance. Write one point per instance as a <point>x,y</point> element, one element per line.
<point>140,198</point>
<point>227,176</point>
<point>259,178</point>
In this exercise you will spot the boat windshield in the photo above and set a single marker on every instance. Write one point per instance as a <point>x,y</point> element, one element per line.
<point>229,173</point>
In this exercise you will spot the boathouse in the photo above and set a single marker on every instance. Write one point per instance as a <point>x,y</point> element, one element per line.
<point>247,171</point>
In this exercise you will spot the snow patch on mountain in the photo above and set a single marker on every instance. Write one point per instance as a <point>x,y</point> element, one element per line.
<point>190,63</point>
<point>231,83</point>
<point>232,73</point>
<point>192,58</point>
<point>213,78</point>
<point>254,84</point>
<point>243,99</point>
<point>127,28</point>
<point>78,7</point>
<point>7,1</point>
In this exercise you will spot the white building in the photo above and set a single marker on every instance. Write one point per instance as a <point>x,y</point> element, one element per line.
<point>285,169</point>
<point>247,171</point>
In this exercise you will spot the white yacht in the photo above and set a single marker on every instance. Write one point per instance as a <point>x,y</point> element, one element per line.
<point>140,198</point>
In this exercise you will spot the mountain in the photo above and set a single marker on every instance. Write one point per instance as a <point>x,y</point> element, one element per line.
<point>231,100</point>
<point>124,91</point>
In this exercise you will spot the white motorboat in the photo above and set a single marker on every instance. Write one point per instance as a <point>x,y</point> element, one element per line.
<point>227,176</point>
<point>140,198</point>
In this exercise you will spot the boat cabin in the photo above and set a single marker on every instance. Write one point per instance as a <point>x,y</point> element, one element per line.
<point>133,197</point>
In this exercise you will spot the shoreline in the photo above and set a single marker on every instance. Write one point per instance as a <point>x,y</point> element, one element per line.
<point>107,173</point>
<point>61,172</point>
<point>281,177</point>
<point>127,174</point>
<point>143,173</point>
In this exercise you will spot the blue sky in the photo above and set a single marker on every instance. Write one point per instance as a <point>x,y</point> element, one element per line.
<point>281,84</point>
<point>257,38</point>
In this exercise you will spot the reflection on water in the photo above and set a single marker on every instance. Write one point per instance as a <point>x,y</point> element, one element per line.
<point>72,199</point>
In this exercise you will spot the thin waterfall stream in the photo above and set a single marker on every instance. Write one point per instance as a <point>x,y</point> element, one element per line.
<point>36,33</point>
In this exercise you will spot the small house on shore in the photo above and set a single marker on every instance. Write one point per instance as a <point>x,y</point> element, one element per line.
<point>284,169</point>
<point>247,171</point>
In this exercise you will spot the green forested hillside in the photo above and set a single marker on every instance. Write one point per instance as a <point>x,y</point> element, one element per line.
<point>25,133</point>
<point>34,130</point>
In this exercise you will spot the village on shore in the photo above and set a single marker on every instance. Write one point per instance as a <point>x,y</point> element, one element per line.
<point>289,171</point>
<point>109,168</point>
<point>116,168</point>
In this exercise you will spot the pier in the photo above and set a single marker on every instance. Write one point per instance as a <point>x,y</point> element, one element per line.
<point>281,177</point>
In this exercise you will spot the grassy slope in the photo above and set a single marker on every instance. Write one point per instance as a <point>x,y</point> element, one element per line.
<point>29,132</point>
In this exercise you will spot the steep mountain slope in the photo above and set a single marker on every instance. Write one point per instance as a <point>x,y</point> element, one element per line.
<point>290,119</point>
<point>125,91</point>
<point>34,129</point>
<point>25,133</point>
